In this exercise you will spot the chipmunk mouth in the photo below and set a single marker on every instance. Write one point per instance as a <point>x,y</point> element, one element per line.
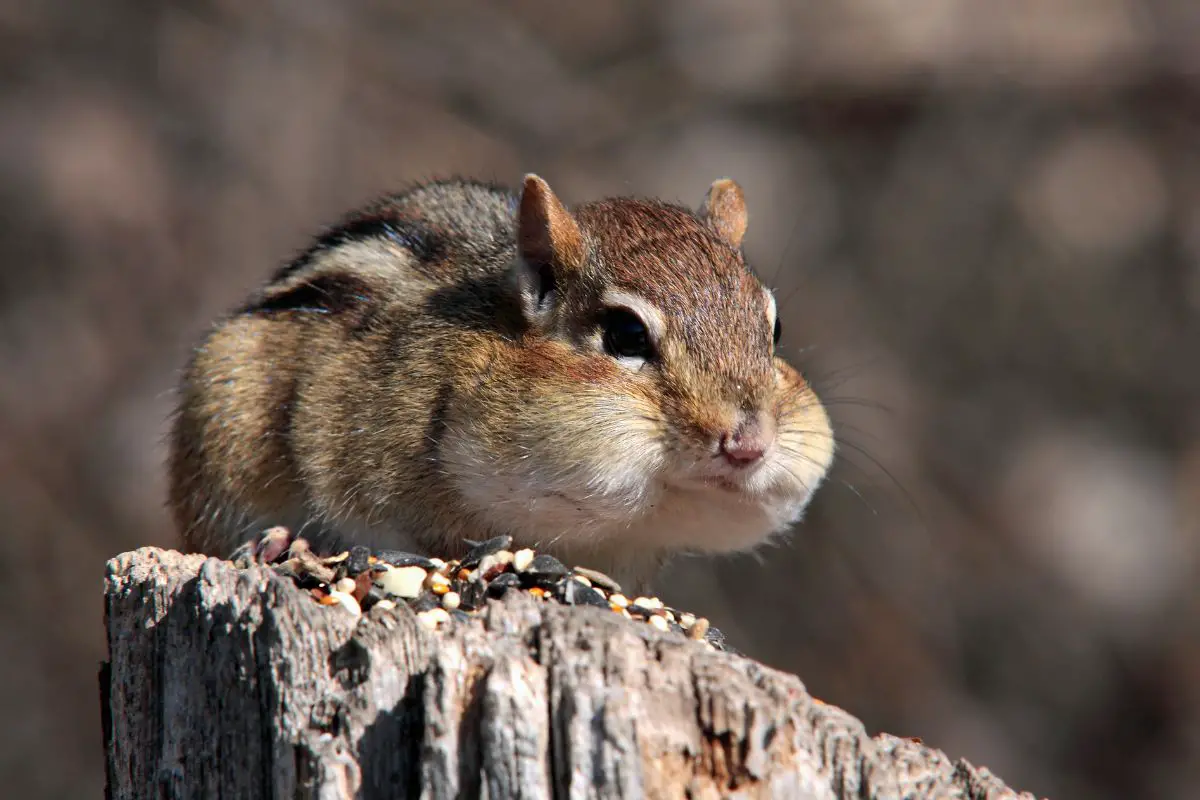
<point>721,483</point>
<point>733,486</point>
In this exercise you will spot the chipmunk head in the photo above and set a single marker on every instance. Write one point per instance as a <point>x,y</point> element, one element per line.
<point>646,397</point>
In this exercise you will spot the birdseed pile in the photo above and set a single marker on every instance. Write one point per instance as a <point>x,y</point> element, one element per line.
<point>361,579</point>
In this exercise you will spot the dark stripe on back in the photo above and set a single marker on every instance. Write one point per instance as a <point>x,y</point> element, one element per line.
<point>413,234</point>
<point>332,293</point>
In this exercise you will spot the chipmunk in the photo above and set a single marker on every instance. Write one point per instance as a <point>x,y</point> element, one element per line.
<point>461,361</point>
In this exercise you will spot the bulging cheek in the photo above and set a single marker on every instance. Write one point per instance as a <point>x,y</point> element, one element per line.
<point>600,453</point>
<point>606,451</point>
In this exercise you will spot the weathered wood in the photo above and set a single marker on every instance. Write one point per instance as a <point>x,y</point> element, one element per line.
<point>232,683</point>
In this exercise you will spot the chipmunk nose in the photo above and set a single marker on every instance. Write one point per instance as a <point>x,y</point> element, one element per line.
<point>747,443</point>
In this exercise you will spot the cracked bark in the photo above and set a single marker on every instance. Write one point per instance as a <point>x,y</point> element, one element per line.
<point>231,683</point>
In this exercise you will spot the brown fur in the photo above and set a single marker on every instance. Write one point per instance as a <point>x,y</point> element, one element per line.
<point>431,370</point>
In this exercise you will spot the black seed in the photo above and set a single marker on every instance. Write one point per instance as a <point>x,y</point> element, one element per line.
<point>546,568</point>
<point>459,615</point>
<point>426,602</point>
<point>472,595</point>
<point>715,638</point>
<point>480,549</point>
<point>574,593</point>
<point>593,599</point>
<point>358,561</point>
<point>568,591</point>
<point>398,558</point>
<point>598,579</point>
<point>373,596</point>
<point>677,628</point>
<point>306,580</point>
<point>503,583</point>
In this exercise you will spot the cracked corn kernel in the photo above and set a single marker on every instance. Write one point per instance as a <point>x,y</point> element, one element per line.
<point>346,601</point>
<point>427,586</point>
<point>401,581</point>
<point>522,559</point>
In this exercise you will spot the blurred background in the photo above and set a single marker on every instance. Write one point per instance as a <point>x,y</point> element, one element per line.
<point>982,218</point>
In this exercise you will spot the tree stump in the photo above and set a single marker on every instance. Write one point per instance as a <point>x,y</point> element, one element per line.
<point>223,682</point>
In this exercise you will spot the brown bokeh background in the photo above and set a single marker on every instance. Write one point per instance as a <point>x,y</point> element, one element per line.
<point>983,220</point>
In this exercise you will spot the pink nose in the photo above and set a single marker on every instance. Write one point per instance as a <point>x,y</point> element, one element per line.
<point>746,445</point>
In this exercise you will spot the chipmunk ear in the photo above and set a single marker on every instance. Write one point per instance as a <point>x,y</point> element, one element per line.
<point>549,243</point>
<point>724,210</point>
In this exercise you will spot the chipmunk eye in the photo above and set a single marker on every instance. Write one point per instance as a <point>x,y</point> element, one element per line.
<point>625,336</point>
<point>778,331</point>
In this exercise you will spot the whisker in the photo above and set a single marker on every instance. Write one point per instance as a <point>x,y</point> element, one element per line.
<point>846,426</point>
<point>848,367</point>
<point>846,443</point>
<point>857,402</point>
<point>854,490</point>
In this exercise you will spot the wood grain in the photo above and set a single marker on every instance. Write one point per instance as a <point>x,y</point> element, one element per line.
<point>233,683</point>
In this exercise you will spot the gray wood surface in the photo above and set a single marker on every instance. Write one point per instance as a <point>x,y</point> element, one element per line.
<point>232,683</point>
